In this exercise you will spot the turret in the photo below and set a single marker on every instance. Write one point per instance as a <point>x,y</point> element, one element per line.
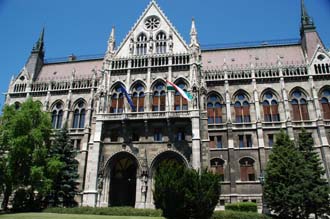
<point>36,59</point>
<point>310,39</point>
<point>307,24</point>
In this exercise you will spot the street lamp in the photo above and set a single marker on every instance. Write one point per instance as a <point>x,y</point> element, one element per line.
<point>262,182</point>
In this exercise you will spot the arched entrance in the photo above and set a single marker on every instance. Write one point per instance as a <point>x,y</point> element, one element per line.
<point>168,157</point>
<point>123,170</point>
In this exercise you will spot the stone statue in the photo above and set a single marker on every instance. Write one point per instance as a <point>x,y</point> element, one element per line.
<point>131,45</point>
<point>170,42</point>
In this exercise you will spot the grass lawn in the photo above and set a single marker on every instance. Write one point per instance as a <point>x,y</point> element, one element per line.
<point>66,216</point>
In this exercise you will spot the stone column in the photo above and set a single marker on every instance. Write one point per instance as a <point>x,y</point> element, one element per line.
<point>67,109</point>
<point>286,106</point>
<point>324,143</point>
<point>91,180</point>
<point>196,143</point>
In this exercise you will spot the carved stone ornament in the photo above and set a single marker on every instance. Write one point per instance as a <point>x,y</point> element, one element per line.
<point>152,23</point>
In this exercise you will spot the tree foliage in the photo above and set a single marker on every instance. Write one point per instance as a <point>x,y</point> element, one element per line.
<point>31,168</point>
<point>317,190</point>
<point>186,193</point>
<point>283,181</point>
<point>294,183</point>
<point>24,141</point>
<point>63,168</point>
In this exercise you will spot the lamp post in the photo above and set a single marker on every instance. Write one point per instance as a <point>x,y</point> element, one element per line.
<point>262,182</point>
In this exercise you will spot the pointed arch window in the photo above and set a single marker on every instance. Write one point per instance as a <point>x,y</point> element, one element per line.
<point>161,43</point>
<point>141,44</point>
<point>299,106</point>
<point>117,101</point>
<point>159,97</point>
<point>138,97</point>
<point>180,103</point>
<point>17,105</point>
<point>214,109</point>
<point>270,107</point>
<point>247,171</point>
<point>57,116</point>
<point>79,115</point>
<point>217,167</point>
<point>325,102</point>
<point>242,109</point>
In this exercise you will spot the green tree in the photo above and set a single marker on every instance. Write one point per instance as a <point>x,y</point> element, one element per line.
<point>316,193</point>
<point>186,193</point>
<point>284,180</point>
<point>25,142</point>
<point>63,169</point>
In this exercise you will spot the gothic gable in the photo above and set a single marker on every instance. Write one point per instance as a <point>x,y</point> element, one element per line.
<point>321,61</point>
<point>153,33</point>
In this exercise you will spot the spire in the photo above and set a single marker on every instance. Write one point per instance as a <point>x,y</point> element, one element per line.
<point>307,23</point>
<point>193,34</point>
<point>39,46</point>
<point>112,41</point>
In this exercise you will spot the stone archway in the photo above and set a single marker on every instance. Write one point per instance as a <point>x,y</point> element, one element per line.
<point>123,172</point>
<point>165,157</point>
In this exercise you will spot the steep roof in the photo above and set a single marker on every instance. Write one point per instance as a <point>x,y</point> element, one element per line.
<point>258,56</point>
<point>63,71</point>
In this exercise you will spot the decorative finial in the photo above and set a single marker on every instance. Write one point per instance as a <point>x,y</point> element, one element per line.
<point>112,41</point>
<point>193,34</point>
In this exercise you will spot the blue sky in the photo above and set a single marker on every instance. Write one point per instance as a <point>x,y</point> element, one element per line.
<point>82,27</point>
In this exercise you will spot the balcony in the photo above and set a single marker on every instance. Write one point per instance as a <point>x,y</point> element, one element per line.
<point>143,115</point>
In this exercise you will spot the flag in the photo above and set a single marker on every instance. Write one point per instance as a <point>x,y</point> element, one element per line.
<point>184,94</point>
<point>128,98</point>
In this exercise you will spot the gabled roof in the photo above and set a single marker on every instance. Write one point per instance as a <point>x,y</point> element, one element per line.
<point>152,9</point>
<point>258,56</point>
<point>63,71</point>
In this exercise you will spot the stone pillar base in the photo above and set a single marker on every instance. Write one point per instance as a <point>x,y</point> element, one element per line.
<point>90,199</point>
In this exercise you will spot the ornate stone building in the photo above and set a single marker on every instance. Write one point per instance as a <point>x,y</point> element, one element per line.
<point>242,96</point>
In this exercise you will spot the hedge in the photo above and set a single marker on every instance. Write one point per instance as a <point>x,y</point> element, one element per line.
<point>238,215</point>
<point>113,211</point>
<point>242,206</point>
<point>128,211</point>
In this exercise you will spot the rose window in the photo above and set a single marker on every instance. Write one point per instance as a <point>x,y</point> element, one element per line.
<point>152,23</point>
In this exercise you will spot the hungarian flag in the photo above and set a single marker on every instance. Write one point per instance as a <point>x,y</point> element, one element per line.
<point>184,94</point>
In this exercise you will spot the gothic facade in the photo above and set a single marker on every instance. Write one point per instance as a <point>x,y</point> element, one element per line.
<point>242,96</point>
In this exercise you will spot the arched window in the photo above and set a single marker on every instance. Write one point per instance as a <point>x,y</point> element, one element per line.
<point>141,45</point>
<point>325,102</point>
<point>242,108</point>
<point>17,105</point>
<point>117,101</point>
<point>299,106</point>
<point>247,169</point>
<point>270,106</point>
<point>138,97</point>
<point>161,43</point>
<point>180,103</point>
<point>57,115</point>
<point>214,109</point>
<point>159,97</point>
<point>79,115</point>
<point>217,167</point>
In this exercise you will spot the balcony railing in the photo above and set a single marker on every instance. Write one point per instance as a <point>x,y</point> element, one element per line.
<point>143,115</point>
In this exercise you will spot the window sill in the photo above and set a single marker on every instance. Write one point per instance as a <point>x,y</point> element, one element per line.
<point>218,149</point>
<point>247,182</point>
<point>246,148</point>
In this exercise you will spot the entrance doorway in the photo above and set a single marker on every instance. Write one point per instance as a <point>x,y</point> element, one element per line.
<point>123,180</point>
